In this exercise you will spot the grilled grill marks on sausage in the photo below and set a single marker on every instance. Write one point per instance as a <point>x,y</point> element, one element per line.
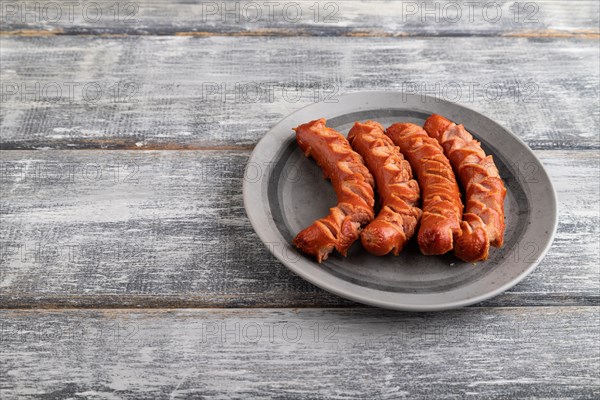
<point>352,182</point>
<point>398,191</point>
<point>442,206</point>
<point>483,221</point>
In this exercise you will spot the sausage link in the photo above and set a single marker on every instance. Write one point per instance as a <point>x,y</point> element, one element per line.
<point>353,185</point>
<point>442,206</point>
<point>483,221</point>
<point>398,191</point>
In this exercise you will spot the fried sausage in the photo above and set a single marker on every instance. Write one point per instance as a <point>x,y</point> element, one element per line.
<point>353,185</point>
<point>483,221</point>
<point>398,191</point>
<point>442,206</point>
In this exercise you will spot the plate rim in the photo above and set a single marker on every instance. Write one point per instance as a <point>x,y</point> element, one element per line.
<point>332,288</point>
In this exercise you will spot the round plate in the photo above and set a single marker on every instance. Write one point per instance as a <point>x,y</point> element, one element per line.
<point>284,192</point>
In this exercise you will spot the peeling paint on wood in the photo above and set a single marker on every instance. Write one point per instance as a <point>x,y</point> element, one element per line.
<point>303,18</point>
<point>198,93</point>
<point>542,352</point>
<point>168,229</point>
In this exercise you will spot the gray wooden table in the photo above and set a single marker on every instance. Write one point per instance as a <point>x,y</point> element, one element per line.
<point>129,269</point>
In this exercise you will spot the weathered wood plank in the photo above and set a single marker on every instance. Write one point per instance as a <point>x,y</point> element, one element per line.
<point>302,17</point>
<point>185,92</point>
<point>168,229</point>
<point>484,353</point>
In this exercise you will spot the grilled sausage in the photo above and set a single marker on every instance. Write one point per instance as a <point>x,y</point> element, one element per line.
<point>353,185</point>
<point>442,206</point>
<point>398,191</point>
<point>483,221</point>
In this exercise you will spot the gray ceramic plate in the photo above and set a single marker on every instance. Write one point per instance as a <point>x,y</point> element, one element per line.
<point>285,192</point>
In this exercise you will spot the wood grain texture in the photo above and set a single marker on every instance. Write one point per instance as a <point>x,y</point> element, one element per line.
<point>185,92</point>
<point>168,229</point>
<point>484,353</point>
<point>303,18</point>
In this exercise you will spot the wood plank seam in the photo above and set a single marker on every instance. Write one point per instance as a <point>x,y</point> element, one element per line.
<point>542,34</point>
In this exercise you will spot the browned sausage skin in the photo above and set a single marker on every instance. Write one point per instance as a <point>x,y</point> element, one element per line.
<point>442,206</point>
<point>398,191</point>
<point>483,221</point>
<point>353,185</point>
